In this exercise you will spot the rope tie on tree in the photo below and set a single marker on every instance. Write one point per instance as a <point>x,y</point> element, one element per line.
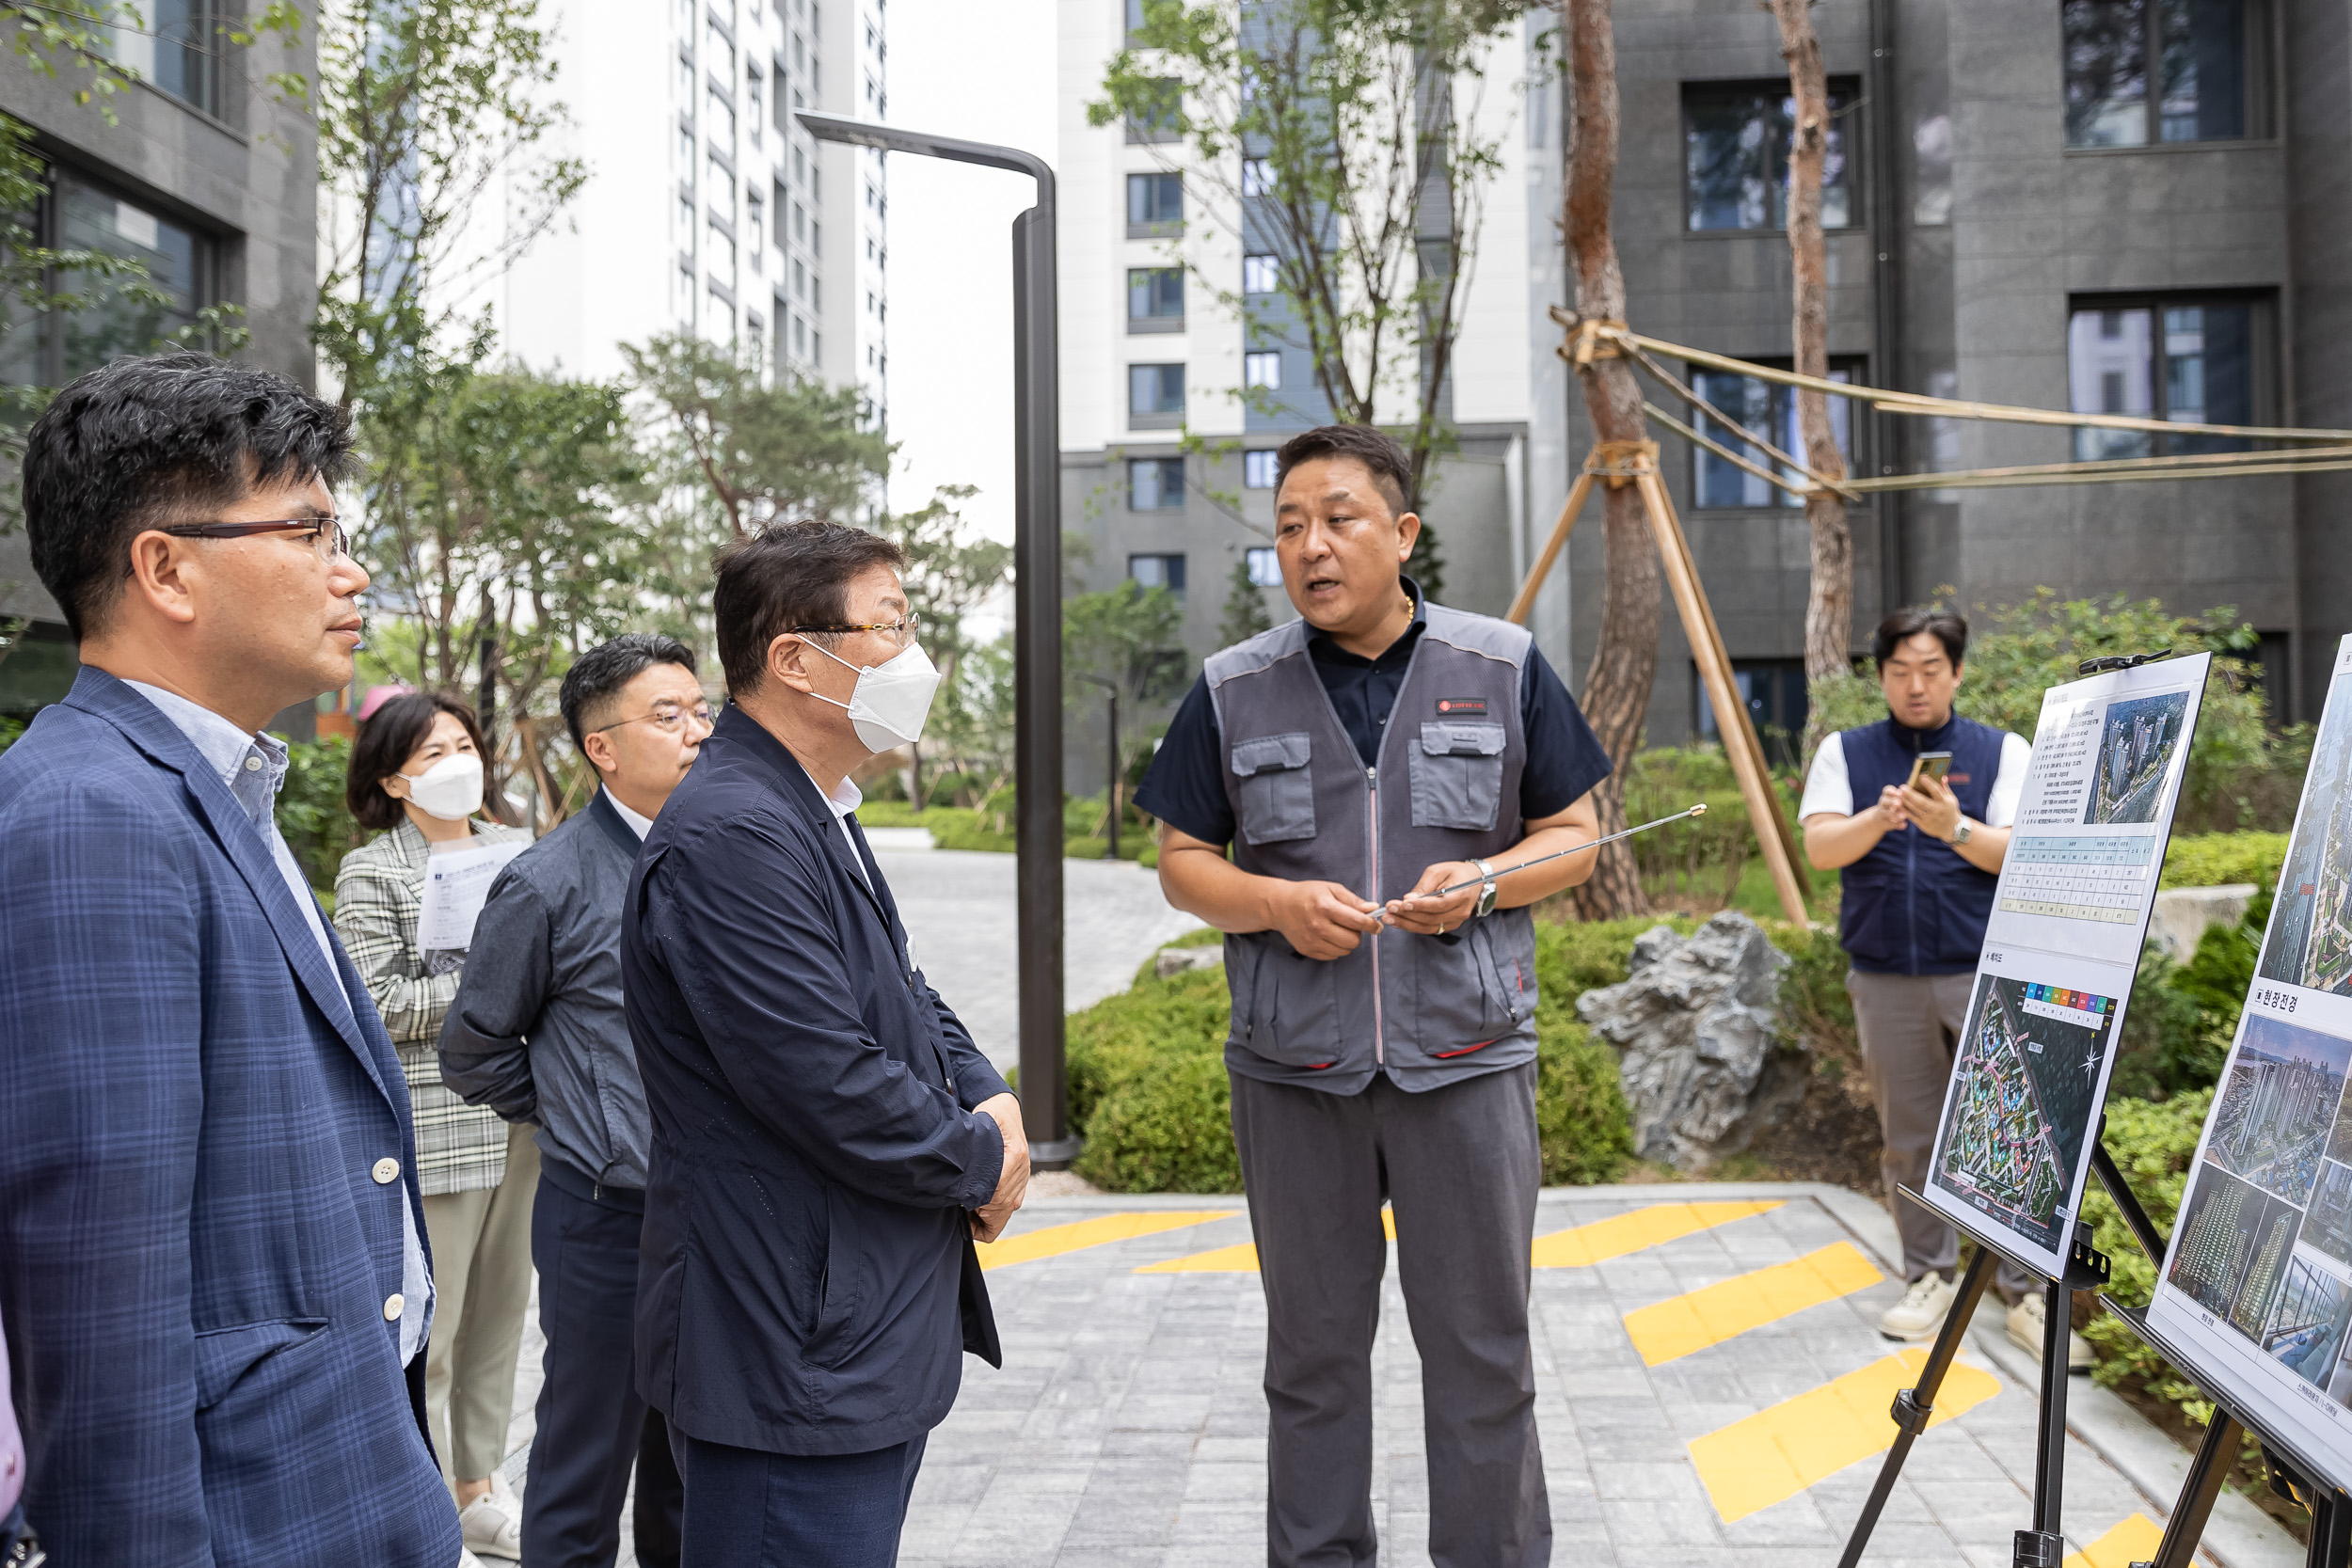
<point>1621,463</point>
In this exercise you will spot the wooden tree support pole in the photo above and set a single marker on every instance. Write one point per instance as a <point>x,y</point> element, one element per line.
<point>1525,603</point>
<point>1731,714</point>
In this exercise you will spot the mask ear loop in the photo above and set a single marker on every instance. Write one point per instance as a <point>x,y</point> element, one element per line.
<point>858,670</point>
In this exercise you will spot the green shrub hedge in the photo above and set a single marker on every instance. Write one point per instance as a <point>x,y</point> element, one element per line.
<point>2217,860</point>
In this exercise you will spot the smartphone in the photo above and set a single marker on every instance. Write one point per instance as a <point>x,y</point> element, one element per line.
<point>1931,764</point>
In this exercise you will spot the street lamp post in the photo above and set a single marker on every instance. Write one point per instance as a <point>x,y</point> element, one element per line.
<point>1037,617</point>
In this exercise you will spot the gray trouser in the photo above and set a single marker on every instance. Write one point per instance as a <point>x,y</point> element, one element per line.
<point>1461,1168</point>
<point>1909,1025</point>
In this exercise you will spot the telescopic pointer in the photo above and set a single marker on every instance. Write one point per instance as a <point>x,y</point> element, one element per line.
<point>1502,871</point>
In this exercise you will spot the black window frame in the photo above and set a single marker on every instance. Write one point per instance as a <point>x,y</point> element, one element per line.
<point>2258,24</point>
<point>1857,433</point>
<point>1171,569</point>
<point>1156,417</point>
<point>1159,182</point>
<point>2262,370</point>
<point>1149,286</point>
<point>1846,99</point>
<point>1779,715</point>
<point>204,54</point>
<point>1171,499</point>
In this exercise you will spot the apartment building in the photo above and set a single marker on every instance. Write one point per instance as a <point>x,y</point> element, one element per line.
<point>1149,358</point>
<point>706,208</point>
<point>2120,206</point>
<point>209,180</point>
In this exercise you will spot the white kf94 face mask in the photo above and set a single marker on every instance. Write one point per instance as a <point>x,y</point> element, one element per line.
<point>451,789</point>
<point>892,698</point>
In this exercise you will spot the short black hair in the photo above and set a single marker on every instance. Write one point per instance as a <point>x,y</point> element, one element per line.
<point>1391,470</point>
<point>383,744</point>
<point>597,675</point>
<point>146,441</point>
<point>786,576</point>
<point>1905,623</point>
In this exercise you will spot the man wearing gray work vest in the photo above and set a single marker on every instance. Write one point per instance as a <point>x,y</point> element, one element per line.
<point>1382,1038</point>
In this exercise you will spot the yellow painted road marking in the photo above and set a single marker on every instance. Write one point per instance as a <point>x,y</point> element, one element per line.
<point>1710,1316</point>
<point>2135,1540</point>
<point>1776,1453</point>
<point>1587,1245</point>
<point>1056,1240</point>
<point>1580,1247</point>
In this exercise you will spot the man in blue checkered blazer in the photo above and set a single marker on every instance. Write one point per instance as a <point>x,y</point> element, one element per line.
<point>212,1277</point>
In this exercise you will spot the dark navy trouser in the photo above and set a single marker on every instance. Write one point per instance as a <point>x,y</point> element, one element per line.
<point>749,1508</point>
<point>593,1426</point>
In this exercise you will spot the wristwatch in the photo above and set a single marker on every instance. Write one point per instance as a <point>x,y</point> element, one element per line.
<point>1962,834</point>
<point>1485,891</point>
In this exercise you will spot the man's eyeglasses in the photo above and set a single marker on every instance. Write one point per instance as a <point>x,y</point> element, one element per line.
<point>324,535</point>
<point>667,717</point>
<point>901,631</point>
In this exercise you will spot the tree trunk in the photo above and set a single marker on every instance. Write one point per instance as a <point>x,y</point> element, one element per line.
<point>1617,687</point>
<point>1828,602</point>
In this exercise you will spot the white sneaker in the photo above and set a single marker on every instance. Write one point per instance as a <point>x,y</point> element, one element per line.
<point>1922,1310</point>
<point>2027,1320</point>
<point>492,1524</point>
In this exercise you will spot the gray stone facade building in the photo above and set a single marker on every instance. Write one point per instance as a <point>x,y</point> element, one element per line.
<point>2128,206</point>
<point>207,177</point>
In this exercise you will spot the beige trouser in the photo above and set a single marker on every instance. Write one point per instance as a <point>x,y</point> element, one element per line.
<point>1909,1025</point>
<point>481,1290</point>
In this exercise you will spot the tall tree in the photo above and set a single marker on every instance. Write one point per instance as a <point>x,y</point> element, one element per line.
<point>1625,662</point>
<point>1829,601</point>
<point>1343,142</point>
<point>764,447</point>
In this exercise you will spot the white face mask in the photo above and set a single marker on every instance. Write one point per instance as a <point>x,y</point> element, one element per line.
<point>451,789</point>
<point>892,698</point>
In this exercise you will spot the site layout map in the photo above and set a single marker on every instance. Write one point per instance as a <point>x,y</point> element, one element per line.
<point>2257,1282</point>
<point>2012,1152</point>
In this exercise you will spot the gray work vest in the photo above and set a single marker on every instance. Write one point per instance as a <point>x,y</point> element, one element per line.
<point>1446,787</point>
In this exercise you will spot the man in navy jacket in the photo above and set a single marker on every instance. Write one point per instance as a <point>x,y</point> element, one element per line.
<point>827,1140</point>
<point>1917,867</point>
<point>212,1258</point>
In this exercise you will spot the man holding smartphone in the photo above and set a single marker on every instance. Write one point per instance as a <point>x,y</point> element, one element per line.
<point>1915,814</point>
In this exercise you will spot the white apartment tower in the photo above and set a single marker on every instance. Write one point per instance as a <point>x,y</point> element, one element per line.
<point>1148,357</point>
<point>706,208</point>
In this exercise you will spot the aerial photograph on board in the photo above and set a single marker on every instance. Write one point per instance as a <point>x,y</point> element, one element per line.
<point>2277,1106</point>
<point>2020,1101</point>
<point>2310,931</point>
<point>2328,1224</point>
<point>2135,750</point>
<point>2232,1251</point>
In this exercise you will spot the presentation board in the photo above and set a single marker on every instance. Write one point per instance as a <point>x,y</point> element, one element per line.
<point>2012,1152</point>
<point>2257,1281</point>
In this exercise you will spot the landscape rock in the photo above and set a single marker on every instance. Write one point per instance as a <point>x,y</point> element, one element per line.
<point>1695,1025</point>
<point>1171,961</point>
<point>2183,915</point>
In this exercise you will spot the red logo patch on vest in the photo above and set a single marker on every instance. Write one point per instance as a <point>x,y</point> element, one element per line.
<point>1461,705</point>
<point>1955,778</point>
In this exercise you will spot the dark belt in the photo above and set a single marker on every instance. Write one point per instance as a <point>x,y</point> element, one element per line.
<point>588,1189</point>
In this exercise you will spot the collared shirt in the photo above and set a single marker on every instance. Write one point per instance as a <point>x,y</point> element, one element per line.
<point>639,825</point>
<point>253,766</point>
<point>1185,787</point>
<point>843,798</point>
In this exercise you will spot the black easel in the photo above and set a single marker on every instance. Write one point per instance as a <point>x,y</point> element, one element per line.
<point>2291,1473</point>
<point>2042,1547</point>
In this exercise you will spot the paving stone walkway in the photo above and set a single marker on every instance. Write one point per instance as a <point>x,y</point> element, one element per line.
<point>1711,1390</point>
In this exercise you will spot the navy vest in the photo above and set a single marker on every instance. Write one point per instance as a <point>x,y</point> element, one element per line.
<point>1912,905</point>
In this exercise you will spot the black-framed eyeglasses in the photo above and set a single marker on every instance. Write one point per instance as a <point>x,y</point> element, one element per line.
<point>901,631</point>
<point>325,535</point>
<point>668,719</point>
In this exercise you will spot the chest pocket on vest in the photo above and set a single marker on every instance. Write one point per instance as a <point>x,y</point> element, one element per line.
<point>1277,788</point>
<point>1457,776</point>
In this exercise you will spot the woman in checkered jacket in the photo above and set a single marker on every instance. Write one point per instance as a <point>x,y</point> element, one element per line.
<point>417,773</point>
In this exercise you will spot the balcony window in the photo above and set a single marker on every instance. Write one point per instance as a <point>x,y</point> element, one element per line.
<point>1258,470</point>
<point>1161,120</point>
<point>1155,485</point>
<point>1262,367</point>
<point>1767,409</point>
<point>179,51</point>
<point>2204,57</point>
<point>2189,360</point>
<point>1155,397</point>
<point>1266,567</point>
<point>1736,140</point>
<point>1260,275</point>
<point>1158,571</point>
<point>1155,205</point>
<point>1156,299</point>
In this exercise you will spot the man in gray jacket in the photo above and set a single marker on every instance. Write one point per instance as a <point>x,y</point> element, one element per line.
<point>538,1034</point>
<point>1359,761</point>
